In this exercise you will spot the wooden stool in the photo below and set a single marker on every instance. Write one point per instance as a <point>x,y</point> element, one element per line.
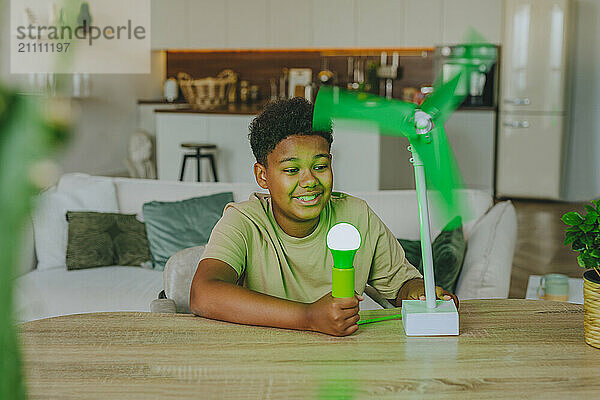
<point>198,155</point>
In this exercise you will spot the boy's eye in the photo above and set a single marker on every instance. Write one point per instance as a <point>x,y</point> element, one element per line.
<point>290,170</point>
<point>321,166</point>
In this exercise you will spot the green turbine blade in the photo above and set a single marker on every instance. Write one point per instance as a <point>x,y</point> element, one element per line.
<point>393,117</point>
<point>443,101</point>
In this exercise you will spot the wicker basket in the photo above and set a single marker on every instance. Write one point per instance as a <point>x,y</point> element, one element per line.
<point>208,93</point>
<point>591,307</point>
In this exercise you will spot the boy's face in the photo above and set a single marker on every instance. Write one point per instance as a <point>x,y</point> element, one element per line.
<point>299,177</point>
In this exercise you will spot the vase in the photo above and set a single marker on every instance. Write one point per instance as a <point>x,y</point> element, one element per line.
<point>591,307</point>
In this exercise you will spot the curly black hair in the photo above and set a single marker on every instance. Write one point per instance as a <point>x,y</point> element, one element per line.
<point>279,120</point>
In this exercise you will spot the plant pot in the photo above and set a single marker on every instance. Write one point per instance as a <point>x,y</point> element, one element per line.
<point>591,307</point>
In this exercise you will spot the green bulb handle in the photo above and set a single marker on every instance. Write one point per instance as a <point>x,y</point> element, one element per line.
<point>342,277</point>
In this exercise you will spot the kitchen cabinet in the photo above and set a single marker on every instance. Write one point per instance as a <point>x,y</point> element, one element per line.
<point>206,21</point>
<point>333,23</point>
<point>169,19</point>
<point>291,24</point>
<point>355,152</point>
<point>530,148</point>
<point>380,24</point>
<point>246,24</point>
<point>485,16</point>
<point>355,159</point>
<point>423,23</point>
<point>472,135</point>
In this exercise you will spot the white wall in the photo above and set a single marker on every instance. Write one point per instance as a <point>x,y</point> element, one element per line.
<point>583,154</point>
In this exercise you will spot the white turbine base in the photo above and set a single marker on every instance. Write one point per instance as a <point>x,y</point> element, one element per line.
<point>419,320</point>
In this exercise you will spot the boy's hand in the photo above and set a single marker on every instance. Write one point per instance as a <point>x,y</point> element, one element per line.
<point>414,289</point>
<point>334,316</point>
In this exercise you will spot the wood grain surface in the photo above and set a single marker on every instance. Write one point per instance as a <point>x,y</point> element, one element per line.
<point>511,349</point>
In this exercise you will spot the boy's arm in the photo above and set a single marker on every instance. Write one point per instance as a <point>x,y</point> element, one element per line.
<point>214,294</point>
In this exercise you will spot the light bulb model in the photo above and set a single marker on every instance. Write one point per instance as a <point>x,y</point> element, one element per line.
<point>343,240</point>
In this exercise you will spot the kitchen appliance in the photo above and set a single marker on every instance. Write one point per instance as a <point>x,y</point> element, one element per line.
<point>300,83</point>
<point>534,99</point>
<point>387,73</point>
<point>479,86</point>
<point>171,90</point>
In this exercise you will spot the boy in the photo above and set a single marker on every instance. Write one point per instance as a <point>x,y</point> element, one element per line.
<point>267,262</point>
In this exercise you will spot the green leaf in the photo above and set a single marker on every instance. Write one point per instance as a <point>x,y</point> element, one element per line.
<point>596,203</point>
<point>577,245</point>
<point>595,253</point>
<point>591,217</point>
<point>587,240</point>
<point>590,208</point>
<point>569,240</point>
<point>572,218</point>
<point>586,261</point>
<point>573,229</point>
<point>586,228</point>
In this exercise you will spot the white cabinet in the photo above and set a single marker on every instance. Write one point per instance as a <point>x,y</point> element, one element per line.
<point>485,16</point>
<point>472,137</point>
<point>290,24</point>
<point>355,159</point>
<point>235,160</point>
<point>333,23</point>
<point>530,148</point>
<point>355,153</point>
<point>229,132</point>
<point>169,21</point>
<point>534,57</point>
<point>380,24</point>
<point>423,23</point>
<point>206,21</point>
<point>246,24</point>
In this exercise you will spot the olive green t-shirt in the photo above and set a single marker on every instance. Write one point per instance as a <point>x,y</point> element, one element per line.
<point>270,261</point>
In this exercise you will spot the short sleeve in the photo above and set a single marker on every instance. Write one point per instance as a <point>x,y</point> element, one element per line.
<point>228,240</point>
<point>390,268</point>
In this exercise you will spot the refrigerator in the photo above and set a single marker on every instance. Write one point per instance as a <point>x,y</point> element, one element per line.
<point>533,119</point>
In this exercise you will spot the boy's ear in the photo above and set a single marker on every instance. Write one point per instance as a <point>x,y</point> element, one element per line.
<point>260,172</point>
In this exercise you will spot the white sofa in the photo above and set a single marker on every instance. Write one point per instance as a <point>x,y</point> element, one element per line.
<point>44,287</point>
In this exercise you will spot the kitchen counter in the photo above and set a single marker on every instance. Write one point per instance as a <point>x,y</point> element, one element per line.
<point>231,109</point>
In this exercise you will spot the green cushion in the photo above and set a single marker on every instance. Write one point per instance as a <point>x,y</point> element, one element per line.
<point>99,239</point>
<point>448,254</point>
<point>177,225</point>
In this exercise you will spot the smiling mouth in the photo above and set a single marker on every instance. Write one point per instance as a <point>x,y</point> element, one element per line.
<point>309,199</point>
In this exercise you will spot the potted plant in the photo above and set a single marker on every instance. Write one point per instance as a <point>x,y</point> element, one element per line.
<point>583,234</point>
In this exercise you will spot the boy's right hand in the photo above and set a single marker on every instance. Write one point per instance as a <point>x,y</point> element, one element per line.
<point>334,316</point>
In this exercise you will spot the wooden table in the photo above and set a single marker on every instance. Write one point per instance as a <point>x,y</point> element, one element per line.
<point>512,349</point>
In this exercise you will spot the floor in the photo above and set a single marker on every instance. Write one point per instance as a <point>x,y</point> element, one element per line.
<point>540,250</point>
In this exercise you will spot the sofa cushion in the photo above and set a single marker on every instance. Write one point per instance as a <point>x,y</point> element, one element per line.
<point>178,225</point>
<point>54,292</point>
<point>133,193</point>
<point>100,239</point>
<point>49,219</point>
<point>448,250</point>
<point>488,261</point>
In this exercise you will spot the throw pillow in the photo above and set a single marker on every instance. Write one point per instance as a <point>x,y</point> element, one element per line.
<point>178,225</point>
<point>489,261</point>
<point>100,239</point>
<point>448,250</point>
<point>50,223</point>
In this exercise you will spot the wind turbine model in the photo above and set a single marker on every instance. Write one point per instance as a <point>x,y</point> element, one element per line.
<point>433,160</point>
